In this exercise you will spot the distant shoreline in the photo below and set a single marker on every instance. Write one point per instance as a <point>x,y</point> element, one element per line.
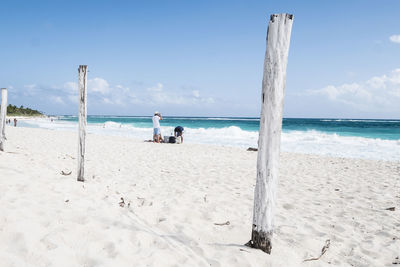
<point>25,116</point>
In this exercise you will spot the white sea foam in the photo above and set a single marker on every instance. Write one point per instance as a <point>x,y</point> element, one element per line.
<point>233,119</point>
<point>360,120</point>
<point>315,142</point>
<point>111,124</point>
<point>310,142</point>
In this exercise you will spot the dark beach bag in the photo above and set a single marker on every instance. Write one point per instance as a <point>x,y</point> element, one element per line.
<point>172,139</point>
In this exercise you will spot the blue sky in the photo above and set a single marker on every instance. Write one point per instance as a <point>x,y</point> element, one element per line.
<point>200,58</point>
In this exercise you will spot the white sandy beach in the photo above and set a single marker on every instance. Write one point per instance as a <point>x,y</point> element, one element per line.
<point>174,195</point>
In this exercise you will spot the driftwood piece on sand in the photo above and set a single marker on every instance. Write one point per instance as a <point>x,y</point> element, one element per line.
<point>324,249</point>
<point>225,223</point>
<point>3,113</point>
<point>82,71</point>
<point>273,91</point>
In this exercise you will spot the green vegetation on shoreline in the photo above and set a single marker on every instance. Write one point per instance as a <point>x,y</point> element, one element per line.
<point>21,111</point>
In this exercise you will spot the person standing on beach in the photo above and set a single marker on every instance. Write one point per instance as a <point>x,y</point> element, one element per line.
<point>178,131</point>
<point>156,127</point>
<point>15,122</point>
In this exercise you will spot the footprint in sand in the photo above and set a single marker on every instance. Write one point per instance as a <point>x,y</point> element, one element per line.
<point>288,206</point>
<point>17,244</point>
<point>110,249</point>
<point>47,242</point>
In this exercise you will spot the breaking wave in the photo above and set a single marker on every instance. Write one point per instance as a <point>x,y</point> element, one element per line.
<point>308,142</point>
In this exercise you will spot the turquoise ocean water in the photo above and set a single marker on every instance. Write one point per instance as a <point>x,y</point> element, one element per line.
<point>357,138</point>
<point>383,129</point>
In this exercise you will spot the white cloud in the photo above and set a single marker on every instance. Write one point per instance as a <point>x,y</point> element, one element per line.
<point>208,100</point>
<point>157,88</point>
<point>30,86</point>
<point>377,82</point>
<point>159,96</point>
<point>395,38</point>
<point>107,100</point>
<point>31,90</point>
<point>380,93</point>
<point>71,87</point>
<point>57,99</point>
<point>99,85</point>
<point>196,93</point>
<point>124,95</point>
<point>73,98</point>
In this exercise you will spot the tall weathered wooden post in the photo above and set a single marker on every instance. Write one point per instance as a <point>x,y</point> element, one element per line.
<point>273,91</point>
<point>82,120</point>
<point>3,113</point>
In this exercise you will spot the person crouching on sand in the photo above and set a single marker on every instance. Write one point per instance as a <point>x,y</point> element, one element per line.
<point>156,127</point>
<point>178,132</point>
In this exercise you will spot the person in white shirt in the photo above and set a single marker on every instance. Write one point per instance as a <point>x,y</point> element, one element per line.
<point>156,127</point>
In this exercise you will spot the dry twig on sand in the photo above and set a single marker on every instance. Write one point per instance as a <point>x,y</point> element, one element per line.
<point>221,224</point>
<point>66,173</point>
<point>324,249</point>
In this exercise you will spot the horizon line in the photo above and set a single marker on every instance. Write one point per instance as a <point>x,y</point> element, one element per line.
<point>225,117</point>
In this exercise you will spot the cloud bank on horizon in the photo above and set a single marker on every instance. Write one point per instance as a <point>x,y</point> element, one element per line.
<point>113,97</point>
<point>377,95</point>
